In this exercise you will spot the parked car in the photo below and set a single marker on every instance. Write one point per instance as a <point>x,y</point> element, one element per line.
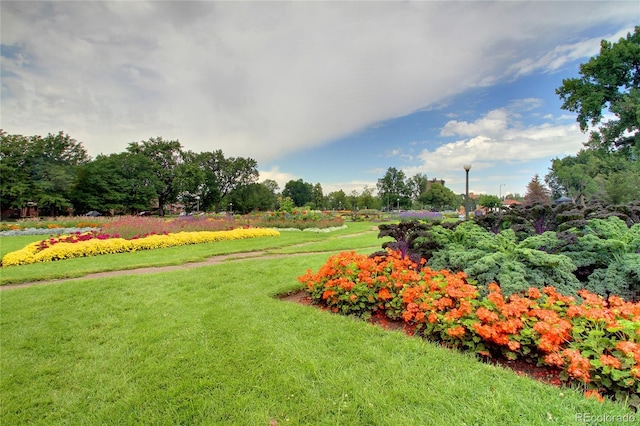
<point>93,213</point>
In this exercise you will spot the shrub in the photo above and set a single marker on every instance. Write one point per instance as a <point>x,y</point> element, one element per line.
<point>607,253</point>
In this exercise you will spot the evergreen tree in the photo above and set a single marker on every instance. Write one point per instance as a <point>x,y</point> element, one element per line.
<point>536,193</point>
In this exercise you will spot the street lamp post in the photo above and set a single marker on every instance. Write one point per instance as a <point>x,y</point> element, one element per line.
<point>398,205</point>
<point>501,185</point>
<point>231,208</point>
<point>467,167</point>
<point>198,203</point>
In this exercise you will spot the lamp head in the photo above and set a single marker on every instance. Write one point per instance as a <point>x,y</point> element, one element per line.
<point>467,167</point>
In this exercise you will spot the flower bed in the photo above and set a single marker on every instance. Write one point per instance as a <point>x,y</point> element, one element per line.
<point>300,219</point>
<point>595,343</point>
<point>92,244</point>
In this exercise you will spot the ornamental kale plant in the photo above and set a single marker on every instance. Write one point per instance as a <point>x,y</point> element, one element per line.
<point>413,239</point>
<point>607,254</point>
<point>514,265</point>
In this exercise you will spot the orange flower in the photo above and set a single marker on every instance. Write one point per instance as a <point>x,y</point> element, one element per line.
<point>513,345</point>
<point>494,288</point>
<point>534,293</point>
<point>554,359</point>
<point>443,303</point>
<point>457,331</point>
<point>485,315</point>
<point>594,394</point>
<point>384,294</point>
<point>327,294</point>
<point>432,318</point>
<point>610,361</point>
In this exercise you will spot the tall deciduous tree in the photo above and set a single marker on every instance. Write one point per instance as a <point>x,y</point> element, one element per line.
<point>439,197</point>
<point>393,189</point>
<point>165,156</point>
<point>40,170</point>
<point>299,191</point>
<point>225,175</point>
<point>609,81</point>
<point>417,185</point>
<point>119,183</point>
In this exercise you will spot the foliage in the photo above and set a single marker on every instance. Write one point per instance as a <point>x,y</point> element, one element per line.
<point>39,169</point>
<point>608,81</point>
<point>515,265</point>
<point>165,157</point>
<point>536,193</point>
<point>593,342</point>
<point>489,201</point>
<point>359,285</point>
<point>596,175</point>
<point>439,197</point>
<point>224,176</point>
<point>393,189</point>
<point>411,239</point>
<point>299,191</point>
<point>300,219</point>
<point>97,244</point>
<point>607,253</point>
<point>122,183</point>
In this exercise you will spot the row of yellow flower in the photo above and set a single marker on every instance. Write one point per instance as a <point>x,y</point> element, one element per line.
<point>95,247</point>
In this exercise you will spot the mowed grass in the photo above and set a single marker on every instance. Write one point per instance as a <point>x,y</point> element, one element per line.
<point>357,236</point>
<point>212,345</point>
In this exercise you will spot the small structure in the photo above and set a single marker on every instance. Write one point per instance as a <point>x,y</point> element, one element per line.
<point>563,200</point>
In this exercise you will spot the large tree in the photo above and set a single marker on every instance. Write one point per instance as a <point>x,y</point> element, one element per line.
<point>317,196</point>
<point>417,185</point>
<point>118,183</point>
<point>393,189</point>
<point>165,156</point>
<point>225,175</point>
<point>439,197</point>
<point>595,175</point>
<point>609,81</point>
<point>299,191</point>
<point>536,193</point>
<point>40,170</point>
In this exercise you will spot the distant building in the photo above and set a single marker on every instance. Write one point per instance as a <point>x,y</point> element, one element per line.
<point>432,181</point>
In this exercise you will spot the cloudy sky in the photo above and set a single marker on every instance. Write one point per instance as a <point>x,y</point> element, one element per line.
<point>329,92</point>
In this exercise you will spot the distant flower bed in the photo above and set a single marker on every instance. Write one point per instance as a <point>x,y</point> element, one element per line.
<point>135,226</point>
<point>93,244</point>
<point>420,214</point>
<point>300,219</point>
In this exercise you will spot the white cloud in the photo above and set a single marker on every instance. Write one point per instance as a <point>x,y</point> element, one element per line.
<point>492,144</point>
<point>265,79</point>
<point>275,174</point>
<point>563,54</point>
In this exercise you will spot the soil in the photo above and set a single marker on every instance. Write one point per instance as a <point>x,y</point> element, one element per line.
<point>544,374</point>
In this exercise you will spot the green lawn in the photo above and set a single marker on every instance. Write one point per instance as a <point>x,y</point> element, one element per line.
<point>212,345</point>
